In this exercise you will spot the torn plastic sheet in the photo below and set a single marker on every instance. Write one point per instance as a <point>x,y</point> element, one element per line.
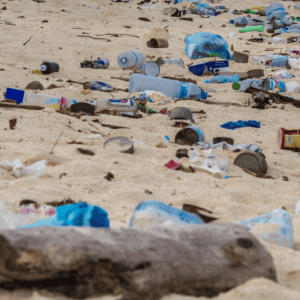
<point>37,169</point>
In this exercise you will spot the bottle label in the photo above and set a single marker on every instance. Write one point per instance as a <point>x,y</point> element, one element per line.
<point>184,91</point>
<point>121,102</point>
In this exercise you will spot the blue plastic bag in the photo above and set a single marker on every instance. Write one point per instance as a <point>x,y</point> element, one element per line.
<point>204,44</point>
<point>79,214</point>
<point>157,213</point>
<point>240,124</point>
<point>282,233</point>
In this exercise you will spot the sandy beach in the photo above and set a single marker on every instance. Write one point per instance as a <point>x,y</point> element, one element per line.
<point>60,40</point>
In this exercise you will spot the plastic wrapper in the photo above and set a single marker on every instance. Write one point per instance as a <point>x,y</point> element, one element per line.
<point>19,170</point>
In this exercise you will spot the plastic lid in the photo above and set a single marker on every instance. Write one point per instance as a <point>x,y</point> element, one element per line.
<point>236,86</point>
<point>43,68</point>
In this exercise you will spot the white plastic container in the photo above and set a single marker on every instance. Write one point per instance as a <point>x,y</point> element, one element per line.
<point>277,40</point>
<point>232,35</point>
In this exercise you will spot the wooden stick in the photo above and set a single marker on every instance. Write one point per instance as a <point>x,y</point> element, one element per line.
<point>27,41</point>
<point>22,106</point>
<point>118,34</point>
<point>92,37</point>
<point>56,142</point>
<point>68,113</point>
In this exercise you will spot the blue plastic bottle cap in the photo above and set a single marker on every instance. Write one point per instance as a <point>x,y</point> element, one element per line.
<point>43,68</point>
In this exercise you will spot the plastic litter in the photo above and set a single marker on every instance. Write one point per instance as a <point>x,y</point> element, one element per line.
<point>275,10</point>
<point>277,40</point>
<point>282,74</point>
<point>241,124</point>
<point>275,227</point>
<point>204,44</point>
<point>79,214</point>
<point>210,164</point>
<point>222,79</point>
<point>152,213</point>
<point>171,88</point>
<point>37,169</point>
<point>292,87</point>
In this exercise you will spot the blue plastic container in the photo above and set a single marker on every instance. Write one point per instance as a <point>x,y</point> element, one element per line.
<point>14,94</point>
<point>281,233</point>
<point>151,213</point>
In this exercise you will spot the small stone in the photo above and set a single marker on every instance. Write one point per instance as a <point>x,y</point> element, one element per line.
<point>161,145</point>
<point>282,107</point>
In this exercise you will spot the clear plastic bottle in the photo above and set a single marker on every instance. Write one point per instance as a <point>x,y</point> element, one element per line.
<point>243,85</point>
<point>276,40</point>
<point>170,88</point>
<point>239,21</point>
<point>131,59</point>
<point>45,100</point>
<point>200,10</point>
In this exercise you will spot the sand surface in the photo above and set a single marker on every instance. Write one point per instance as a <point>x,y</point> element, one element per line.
<point>242,196</point>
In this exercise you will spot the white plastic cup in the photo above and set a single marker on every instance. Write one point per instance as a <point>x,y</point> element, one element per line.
<point>232,35</point>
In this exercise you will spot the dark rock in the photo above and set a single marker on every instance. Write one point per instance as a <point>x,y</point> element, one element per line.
<point>202,260</point>
<point>34,85</point>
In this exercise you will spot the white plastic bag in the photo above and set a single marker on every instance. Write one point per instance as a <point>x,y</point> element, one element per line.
<point>218,166</point>
<point>19,170</point>
<point>292,87</point>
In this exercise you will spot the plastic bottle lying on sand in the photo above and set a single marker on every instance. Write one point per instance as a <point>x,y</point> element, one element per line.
<point>49,67</point>
<point>170,88</point>
<point>243,85</point>
<point>131,59</point>
<point>203,10</point>
<point>277,40</point>
<point>239,21</point>
<point>49,100</point>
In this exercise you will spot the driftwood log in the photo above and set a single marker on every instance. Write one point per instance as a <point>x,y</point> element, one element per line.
<point>198,260</point>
